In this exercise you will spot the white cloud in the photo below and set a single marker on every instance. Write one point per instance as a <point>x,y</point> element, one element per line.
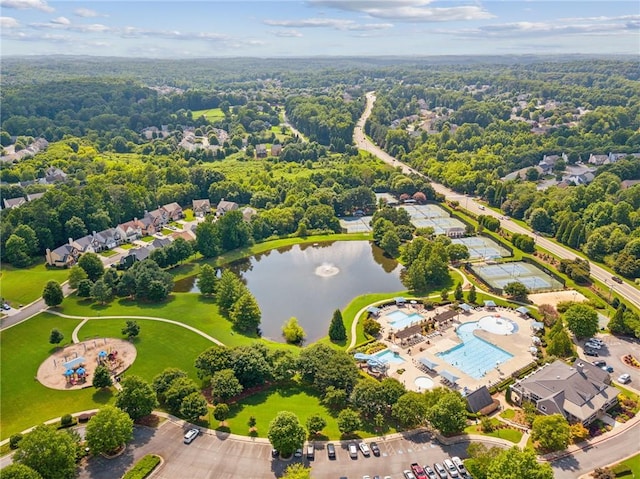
<point>8,22</point>
<point>334,23</point>
<point>61,21</point>
<point>26,5</point>
<point>287,33</point>
<point>86,13</point>
<point>415,11</point>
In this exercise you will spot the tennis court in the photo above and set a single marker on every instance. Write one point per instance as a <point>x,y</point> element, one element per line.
<point>482,247</point>
<point>499,275</point>
<point>433,216</point>
<point>356,224</point>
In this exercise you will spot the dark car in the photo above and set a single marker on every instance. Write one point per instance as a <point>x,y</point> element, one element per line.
<point>331,451</point>
<point>274,453</point>
<point>617,280</point>
<point>599,363</point>
<point>590,352</point>
<point>375,449</point>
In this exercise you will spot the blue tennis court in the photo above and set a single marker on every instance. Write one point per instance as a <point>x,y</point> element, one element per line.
<point>499,275</point>
<point>482,247</point>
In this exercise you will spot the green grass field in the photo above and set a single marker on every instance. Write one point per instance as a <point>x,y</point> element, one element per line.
<point>512,435</point>
<point>212,114</point>
<point>24,285</point>
<point>108,253</point>
<point>634,464</point>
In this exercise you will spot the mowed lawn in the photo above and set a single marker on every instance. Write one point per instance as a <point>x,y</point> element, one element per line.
<point>25,402</point>
<point>212,114</point>
<point>24,285</point>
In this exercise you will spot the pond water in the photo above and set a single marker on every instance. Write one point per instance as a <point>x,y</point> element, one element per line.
<point>311,281</point>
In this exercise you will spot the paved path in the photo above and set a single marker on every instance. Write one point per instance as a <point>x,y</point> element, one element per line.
<point>151,318</point>
<point>74,335</point>
<point>31,309</point>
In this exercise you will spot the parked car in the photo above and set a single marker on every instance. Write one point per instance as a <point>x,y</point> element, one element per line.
<point>366,452</point>
<point>310,451</point>
<point>606,368</point>
<point>191,435</point>
<point>599,363</point>
<point>440,470</point>
<point>6,306</point>
<point>353,450</point>
<point>408,474</point>
<point>460,465</point>
<point>418,471</point>
<point>592,345</point>
<point>590,352</point>
<point>331,451</point>
<point>274,453</point>
<point>451,468</point>
<point>298,452</point>
<point>375,449</point>
<point>624,378</point>
<point>596,340</point>
<point>431,474</point>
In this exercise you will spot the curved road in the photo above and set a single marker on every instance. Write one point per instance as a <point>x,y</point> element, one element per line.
<point>626,290</point>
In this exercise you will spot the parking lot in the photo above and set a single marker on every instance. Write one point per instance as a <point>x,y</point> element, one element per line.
<point>612,351</point>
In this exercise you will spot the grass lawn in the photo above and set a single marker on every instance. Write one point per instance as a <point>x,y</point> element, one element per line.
<point>24,285</point>
<point>508,413</point>
<point>147,239</point>
<point>166,231</point>
<point>265,405</point>
<point>127,246</point>
<point>509,434</point>
<point>212,114</point>
<point>634,464</point>
<point>108,252</point>
<point>24,401</point>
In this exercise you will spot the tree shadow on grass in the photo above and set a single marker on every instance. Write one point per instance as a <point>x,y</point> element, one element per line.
<point>102,396</point>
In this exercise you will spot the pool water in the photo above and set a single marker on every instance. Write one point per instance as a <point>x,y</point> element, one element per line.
<point>388,356</point>
<point>474,356</point>
<point>399,319</point>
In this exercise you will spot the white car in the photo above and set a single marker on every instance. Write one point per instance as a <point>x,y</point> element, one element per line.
<point>191,435</point>
<point>624,378</point>
<point>592,345</point>
<point>459,464</point>
<point>365,449</point>
<point>451,468</point>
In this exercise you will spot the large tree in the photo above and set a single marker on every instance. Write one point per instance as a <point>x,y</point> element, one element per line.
<point>16,251</point>
<point>286,434</point>
<point>207,239</point>
<point>100,292</point>
<point>516,290</point>
<point>233,231</point>
<point>410,410</point>
<point>102,377</point>
<point>108,430</point>
<point>76,274</point>
<point>582,320</point>
<point>323,366</point>
<point>179,389</point>
<point>552,433</point>
<point>50,452</point>
<point>245,313</point>
<point>349,421</point>
<point>137,398</point>
<point>337,332</point>
<point>19,471</point>
<point>516,463</point>
<point>162,382</point>
<point>207,280</point>
<point>228,289</point>
<point>92,265</point>
<point>52,293</point>
<point>367,396</point>
<point>214,359</point>
<point>315,424</point>
<point>449,413</point>
<point>225,385</point>
<point>193,407</point>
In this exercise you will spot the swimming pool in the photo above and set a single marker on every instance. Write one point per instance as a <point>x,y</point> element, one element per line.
<point>474,356</point>
<point>399,319</point>
<point>388,356</point>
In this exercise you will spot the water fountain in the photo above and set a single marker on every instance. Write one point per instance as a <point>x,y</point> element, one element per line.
<point>326,270</point>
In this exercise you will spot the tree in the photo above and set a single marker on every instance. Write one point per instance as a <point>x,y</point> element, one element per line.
<point>76,274</point>
<point>349,421</point>
<point>16,251</point>
<point>111,278</point>
<point>250,364</point>
<point>315,424</point>
<point>131,329</point>
<point>552,433</point>
<point>582,320</point>
<point>74,227</point>
<point>367,396</point>
<point>221,412</point>
<point>297,471</point>
<point>293,332</point>
<point>337,332</point>
<point>207,280</point>
<point>457,293</point>
<point>19,471</point>
<point>449,414</point>
<point>52,294</point>
<point>516,463</point>
<point>245,313</point>
<point>137,398</point>
<point>286,434</point>
<point>179,389</point>
<point>225,385</point>
<point>101,292</point>
<point>516,290</point>
<point>207,239</point>
<point>92,265</point>
<point>410,410</point>
<point>390,243</point>
<point>322,366</point>
<point>102,377</point>
<point>56,336</point>
<point>334,398</point>
<point>51,453</point>
<point>193,407</point>
<point>540,220</point>
<point>472,295</point>
<point>109,430</point>
<point>617,324</point>
<point>371,327</point>
<point>84,287</point>
<point>212,360</point>
<point>162,381</point>
<point>559,343</point>
<point>480,457</point>
<point>30,237</point>
<point>228,289</point>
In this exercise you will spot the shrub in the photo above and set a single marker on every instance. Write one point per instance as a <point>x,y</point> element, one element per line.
<point>66,420</point>
<point>143,468</point>
<point>621,470</point>
<point>14,440</point>
<point>85,417</point>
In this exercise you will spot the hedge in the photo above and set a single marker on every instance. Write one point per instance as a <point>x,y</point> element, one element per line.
<point>143,468</point>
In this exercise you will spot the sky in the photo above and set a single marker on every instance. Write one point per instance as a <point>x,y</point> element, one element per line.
<point>289,28</point>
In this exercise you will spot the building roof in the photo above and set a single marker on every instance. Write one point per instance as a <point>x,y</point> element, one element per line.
<point>201,204</point>
<point>479,399</point>
<point>226,206</point>
<point>580,391</point>
<point>14,202</point>
<point>171,207</point>
<point>34,196</point>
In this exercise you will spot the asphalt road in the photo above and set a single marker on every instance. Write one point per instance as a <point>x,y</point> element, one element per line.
<point>626,290</point>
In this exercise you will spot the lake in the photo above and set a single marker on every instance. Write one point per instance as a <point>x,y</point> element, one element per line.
<point>311,281</point>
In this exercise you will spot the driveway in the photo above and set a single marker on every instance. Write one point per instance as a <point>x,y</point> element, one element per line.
<point>612,351</point>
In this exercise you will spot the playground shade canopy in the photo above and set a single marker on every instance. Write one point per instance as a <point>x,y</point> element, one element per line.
<point>426,362</point>
<point>522,310</point>
<point>373,310</point>
<point>465,307</point>
<point>449,376</point>
<point>74,362</point>
<point>489,303</point>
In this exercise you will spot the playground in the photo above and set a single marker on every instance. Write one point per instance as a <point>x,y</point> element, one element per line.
<point>72,367</point>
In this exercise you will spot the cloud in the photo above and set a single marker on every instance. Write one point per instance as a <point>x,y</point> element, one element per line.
<point>287,33</point>
<point>414,11</point>
<point>8,22</point>
<point>133,32</point>
<point>26,5</point>
<point>86,13</point>
<point>61,21</point>
<point>334,23</point>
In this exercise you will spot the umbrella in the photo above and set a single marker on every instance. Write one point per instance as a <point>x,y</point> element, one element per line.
<point>428,363</point>
<point>102,354</point>
<point>80,371</point>
<point>68,372</point>
<point>533,350</point>
<point>400,300</point>
<point>449,376</point>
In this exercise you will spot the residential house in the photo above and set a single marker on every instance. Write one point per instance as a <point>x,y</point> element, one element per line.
<point>599,160</point>
<point>248,213</point>
<point>549,161</point>
<point>110,238</point>
<point>86,244</point>
<point>158,218</point>
<point>581,393</point>
<point>261,151</point>
<point>201,208</point>
<point>276,149</point>
<point>14,202</point>
<point>63,256</point>
<point>613,157</point>
<point>628,183</point>
<point>579,179</point>
<point>159,243</point>
<point>132,230</point>
<point>225,206</point>
<point>173,211</point>
<point>54,175</point>
<point>137,254</point>
<point>34,196</point>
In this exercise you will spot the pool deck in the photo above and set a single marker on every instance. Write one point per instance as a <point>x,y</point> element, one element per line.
<point>445,338</point>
